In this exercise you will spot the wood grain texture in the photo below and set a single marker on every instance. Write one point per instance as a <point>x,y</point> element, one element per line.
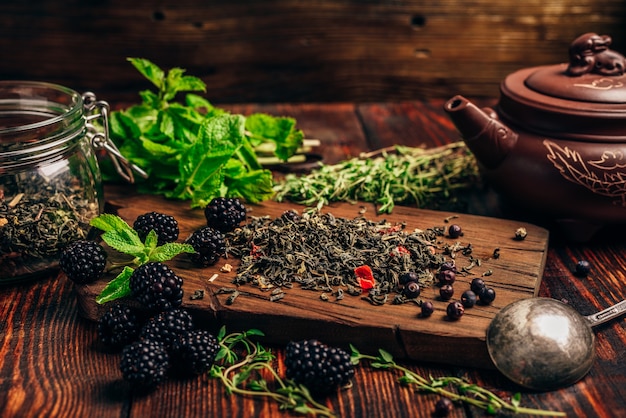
<point>295,51</point>
<point>52,366</point>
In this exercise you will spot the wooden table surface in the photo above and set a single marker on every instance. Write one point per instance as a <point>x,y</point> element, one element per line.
<point>50,365</point>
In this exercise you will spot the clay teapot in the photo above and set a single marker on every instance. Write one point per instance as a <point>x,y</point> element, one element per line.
<point>555,143</point>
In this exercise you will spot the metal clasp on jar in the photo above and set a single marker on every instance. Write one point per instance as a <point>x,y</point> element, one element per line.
<point>99,109</point>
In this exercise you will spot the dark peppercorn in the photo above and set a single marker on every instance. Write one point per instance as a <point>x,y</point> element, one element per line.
<point>446,277</point>
<point>455,310</point>
<point>448,265</point>
<point>409,276</point>
<point>477,285</point>
<point>583,267</point>
<point>446,291</point>
<point>468,299</point>
<point>427,309</point>
<point>443,407</point>
<point>454,231</point>
<point>487,295</point>
<point>411,290</point>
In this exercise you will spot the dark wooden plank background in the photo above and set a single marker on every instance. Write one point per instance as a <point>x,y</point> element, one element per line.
<point>298,51</point>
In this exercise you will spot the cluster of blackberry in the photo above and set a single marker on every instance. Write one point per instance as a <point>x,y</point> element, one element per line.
<point>317,366</point>
<point>84,261</point>
<point>151,348</point>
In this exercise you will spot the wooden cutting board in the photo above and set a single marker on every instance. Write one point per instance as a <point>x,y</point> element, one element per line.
<point>516,274</point>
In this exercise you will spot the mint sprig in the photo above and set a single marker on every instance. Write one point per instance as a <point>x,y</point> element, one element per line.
<point>193,150</point>
<point>120,236</point>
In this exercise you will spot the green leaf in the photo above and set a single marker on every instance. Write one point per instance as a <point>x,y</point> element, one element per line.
<point>200,165</point>
<point>387,357</point>
<point>176,82</point>
<point>221,334</point>
<point>108,222</point>
<point>254,333</point>
<point>516,399</point>
<point>253,187</point>
<point>121,241</point>
<point>149,70</point>
<point>170,250</point>
<point>150,100</point>
<point>116,288</point>
<point>152,240</point>
<point>281,130</point>
<point>122,127</point>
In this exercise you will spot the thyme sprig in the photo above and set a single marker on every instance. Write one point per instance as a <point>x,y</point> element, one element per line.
<point>396,175</point>
<point>241,365</point>
<point>466,392</point>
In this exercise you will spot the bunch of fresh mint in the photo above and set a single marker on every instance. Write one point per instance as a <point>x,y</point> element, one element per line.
<point>193,150</point>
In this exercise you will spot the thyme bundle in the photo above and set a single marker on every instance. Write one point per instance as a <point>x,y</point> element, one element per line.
<point>397,175</point>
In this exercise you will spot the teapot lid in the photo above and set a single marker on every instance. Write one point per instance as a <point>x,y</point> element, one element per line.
<point>594,73</point>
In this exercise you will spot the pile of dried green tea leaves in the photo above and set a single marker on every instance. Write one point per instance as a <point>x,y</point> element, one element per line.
<point>320,252</point>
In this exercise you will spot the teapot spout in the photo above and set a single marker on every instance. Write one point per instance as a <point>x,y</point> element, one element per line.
<point>486,136</point>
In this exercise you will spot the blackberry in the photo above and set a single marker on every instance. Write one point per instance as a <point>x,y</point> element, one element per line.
<point>156,286</point>
<point>83,261</point>
<point>209,244</point>
<point>145,363</point>
<point>224,213</point>
<point>194,351</point>
<point>317,366</point>
<point>165,226</point>
<point>118,326</point>
<point>166,326</point>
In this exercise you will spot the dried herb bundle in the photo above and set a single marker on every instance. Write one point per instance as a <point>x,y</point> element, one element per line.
<point>320,252</point>
<point>429,178</point>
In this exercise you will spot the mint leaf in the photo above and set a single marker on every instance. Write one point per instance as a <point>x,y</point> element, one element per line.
<point>176,82</point>
<point>122,242</point>
<point>108,222</point>
<point>200,165</point>
<point>151,240</point>
<point>280,130</point>
<point>150,71</point>
<point>116,288</point>
<point>170,250</point>
<point>253,187</point>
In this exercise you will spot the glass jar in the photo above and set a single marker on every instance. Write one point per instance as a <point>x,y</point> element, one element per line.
<point>50,185</point>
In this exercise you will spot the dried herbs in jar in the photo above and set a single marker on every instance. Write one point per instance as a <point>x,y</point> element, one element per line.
<point>49,177</point>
